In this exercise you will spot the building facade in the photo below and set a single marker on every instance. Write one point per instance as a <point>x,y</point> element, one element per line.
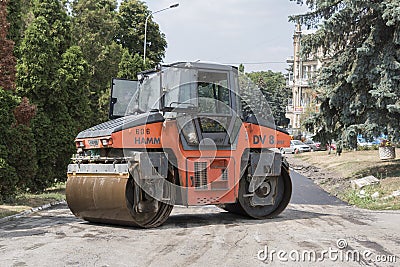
<point>301,74</point>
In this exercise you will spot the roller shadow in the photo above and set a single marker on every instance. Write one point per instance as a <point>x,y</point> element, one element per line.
<point>230,219</point>
<point>305,192</point>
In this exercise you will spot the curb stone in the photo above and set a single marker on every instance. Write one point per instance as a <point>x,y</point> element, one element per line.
<point>30,211</point>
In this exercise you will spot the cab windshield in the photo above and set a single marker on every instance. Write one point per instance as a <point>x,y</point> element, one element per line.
<point>206,91</point>
<point>149,92</point>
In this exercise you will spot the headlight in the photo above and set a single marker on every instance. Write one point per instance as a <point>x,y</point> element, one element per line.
<point>106,142</point>
<point>80,144</point>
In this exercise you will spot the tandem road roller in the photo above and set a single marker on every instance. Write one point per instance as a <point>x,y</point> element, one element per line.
<point>188,133</point>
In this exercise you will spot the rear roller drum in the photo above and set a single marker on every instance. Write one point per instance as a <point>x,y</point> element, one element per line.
<point>281,199</point>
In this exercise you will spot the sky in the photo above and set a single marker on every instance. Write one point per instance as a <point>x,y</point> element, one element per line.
<point>228,31</point>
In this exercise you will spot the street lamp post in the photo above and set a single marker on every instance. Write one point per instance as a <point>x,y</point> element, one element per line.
<point>145,28</point>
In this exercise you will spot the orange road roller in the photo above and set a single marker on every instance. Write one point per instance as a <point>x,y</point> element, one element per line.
<point>188,133</point>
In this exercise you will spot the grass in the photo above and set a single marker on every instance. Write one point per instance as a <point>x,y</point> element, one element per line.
<point>353,164</point>
<point>367,202</point>
<point>357,164</point>
<point>26,201</point>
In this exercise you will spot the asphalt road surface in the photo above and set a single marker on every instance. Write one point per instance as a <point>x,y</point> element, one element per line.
<point>315,230</point>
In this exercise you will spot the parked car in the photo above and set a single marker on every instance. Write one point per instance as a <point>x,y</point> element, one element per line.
<point>296,145</point>
<point>363,142</point>
<point>313,146</point>
<point>332,146</point>
<point>376,141</point>
<point>320,146</point>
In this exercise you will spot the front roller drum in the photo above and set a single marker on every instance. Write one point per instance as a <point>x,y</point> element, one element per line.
<point>109,199</point>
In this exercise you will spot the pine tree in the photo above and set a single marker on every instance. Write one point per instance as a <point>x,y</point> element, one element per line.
<point>360,80</point>
<point>21,145</point>
<point>45,40</point>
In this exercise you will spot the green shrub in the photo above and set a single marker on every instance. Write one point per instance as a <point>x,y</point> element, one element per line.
<point>8,181</point>
<point>8,175</point>
<point>22,155</point>
<point>374,147</point>
<point>366,148</point>
<point>362,148</point>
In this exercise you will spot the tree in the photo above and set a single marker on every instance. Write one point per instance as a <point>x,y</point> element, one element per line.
<point>131,19</point>
<point>360,79</point>
<point>130,66</point>
<point>45,40</point>
<point>22,156</point>
<point>8,174</point>
<point>103,33</point>
<point>42,78</point>
<point>273,86</point>
<point>241,68</point>
<point>24,112</point>
<point>7,59</point>
<point>18,14</point>
<point>9,168</point>
<point>21,145</point>
<point>74,77</point>
<point>94,27</point>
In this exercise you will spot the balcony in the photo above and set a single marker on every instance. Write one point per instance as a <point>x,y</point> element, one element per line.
<point>298,110</point>
<point>295,110</point>
<point>302,83</point>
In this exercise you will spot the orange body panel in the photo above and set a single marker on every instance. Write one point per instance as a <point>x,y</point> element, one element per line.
<point>263,137</point>
<point>144,136</point>
<point>218,190</point>
<point>149,136</point>
<point>223,166</point>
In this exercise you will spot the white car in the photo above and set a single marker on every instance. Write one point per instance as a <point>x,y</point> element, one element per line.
<point>296,145</point>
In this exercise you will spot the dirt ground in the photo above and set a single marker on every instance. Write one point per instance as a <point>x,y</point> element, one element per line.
<point>334,174</point>
<point>331,181</point>
<point>354,164</point>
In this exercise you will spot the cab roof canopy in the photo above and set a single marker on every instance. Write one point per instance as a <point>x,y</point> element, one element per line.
<point>195,65</point>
